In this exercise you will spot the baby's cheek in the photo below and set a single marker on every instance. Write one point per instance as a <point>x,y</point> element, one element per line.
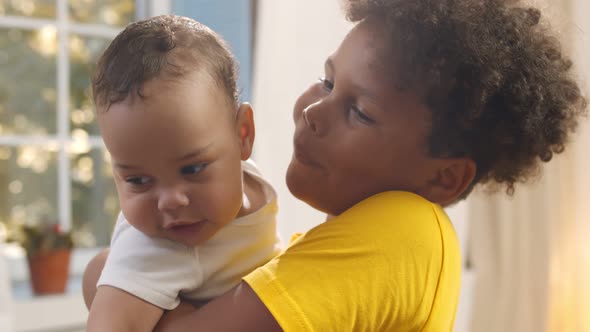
<point>225,200</point>
<point>139,211</point>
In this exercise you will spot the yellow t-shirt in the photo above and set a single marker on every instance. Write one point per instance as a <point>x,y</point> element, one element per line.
<point>389,263</point>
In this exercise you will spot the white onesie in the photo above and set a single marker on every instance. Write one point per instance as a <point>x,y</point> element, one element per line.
<point>162,272</point>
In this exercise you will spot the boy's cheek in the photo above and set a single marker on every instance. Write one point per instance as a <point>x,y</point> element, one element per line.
<point>312,95</point>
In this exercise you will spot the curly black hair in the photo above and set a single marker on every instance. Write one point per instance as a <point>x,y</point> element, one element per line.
<point>499,87</point>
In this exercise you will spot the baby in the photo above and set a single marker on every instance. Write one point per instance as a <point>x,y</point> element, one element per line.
<point>196,216</point>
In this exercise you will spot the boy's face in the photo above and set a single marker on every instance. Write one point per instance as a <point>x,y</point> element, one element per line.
<point>176,158</point>
<point>356,134</point>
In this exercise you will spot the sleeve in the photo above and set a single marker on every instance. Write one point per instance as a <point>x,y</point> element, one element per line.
<point>373,268</point>
<point>154,270</point>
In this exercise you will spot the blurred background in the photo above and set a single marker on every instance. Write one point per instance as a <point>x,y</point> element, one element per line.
<point>526,258</point>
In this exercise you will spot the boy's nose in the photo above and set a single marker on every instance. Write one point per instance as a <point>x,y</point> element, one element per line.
<point>312,117</point>
<point>172,199</point>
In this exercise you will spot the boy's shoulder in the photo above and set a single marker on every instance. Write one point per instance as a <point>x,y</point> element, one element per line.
<point>402,204</point>
<point>403,216</point>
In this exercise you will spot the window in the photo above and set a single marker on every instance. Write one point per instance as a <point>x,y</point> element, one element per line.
<point>234,21</point>
<point>52,162</point>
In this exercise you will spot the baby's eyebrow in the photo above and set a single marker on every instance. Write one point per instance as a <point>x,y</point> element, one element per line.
<point>124,166</point>
<point>189,155</point>
<point>196,152</point>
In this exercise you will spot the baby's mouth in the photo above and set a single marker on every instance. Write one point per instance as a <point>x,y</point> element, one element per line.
<point>177,225</point>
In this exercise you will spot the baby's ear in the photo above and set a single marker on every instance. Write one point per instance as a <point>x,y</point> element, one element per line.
<point>452,178</point>
<point>245,129</point>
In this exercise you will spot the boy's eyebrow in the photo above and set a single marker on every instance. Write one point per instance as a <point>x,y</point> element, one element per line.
<point>329,64</point>
<point>360,89</point>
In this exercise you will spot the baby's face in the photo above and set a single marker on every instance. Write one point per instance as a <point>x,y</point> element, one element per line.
<point>356,134</point>
<point>176,158</point>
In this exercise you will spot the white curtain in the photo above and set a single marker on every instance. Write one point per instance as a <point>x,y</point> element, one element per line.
<point>531,253</point>
<point>293,39</point>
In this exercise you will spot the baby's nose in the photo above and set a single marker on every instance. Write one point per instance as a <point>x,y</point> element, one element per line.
<point>172,199</point>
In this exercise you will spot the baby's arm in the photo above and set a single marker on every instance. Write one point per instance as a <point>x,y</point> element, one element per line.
<point>91,275</point>
<point>116,310</point>
<point>90,279</point>
<point>138,278</point>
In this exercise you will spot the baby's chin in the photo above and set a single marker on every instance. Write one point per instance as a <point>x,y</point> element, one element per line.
<point>192,235</point>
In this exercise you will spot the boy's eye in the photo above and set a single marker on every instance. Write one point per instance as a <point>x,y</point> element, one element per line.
<point>192,169</point>
<point>137,180</point>
<point>328,85</point>
<point>360,115</point>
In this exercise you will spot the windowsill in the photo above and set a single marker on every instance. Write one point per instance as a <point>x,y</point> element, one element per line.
<point>16,261</point>
<point>62,312</point>
<point>58,312</point>
<point>22,292</point>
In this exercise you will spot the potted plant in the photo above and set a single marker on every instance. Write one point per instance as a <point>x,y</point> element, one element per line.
<point>48,250</point>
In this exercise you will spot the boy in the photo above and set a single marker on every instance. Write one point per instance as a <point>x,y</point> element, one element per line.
<point>422,101</point>
<point>196,216</point>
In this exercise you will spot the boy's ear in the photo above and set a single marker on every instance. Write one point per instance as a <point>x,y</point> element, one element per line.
<point>450,180</point>
<point>245,129</point>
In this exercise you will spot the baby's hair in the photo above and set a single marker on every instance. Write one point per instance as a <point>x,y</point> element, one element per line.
<point>500,90</point>
<point>165,46</point>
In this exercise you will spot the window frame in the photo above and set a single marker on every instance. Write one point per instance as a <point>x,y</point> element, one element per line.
<point>65,310</point>
<point>62,139</point>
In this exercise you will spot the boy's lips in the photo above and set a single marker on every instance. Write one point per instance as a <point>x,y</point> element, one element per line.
<point>301,156</point>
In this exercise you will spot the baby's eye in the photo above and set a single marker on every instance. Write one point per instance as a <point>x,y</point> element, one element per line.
<point>328,85</point>
<point>192,169</point>
<point>137,180</point>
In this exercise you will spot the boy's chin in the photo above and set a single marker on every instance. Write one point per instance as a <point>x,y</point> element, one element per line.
<point>313,190</point>
<point>296,183</point>
<point>306,194</point>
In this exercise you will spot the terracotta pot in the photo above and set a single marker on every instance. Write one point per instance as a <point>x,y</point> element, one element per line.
<point>49,271</point>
